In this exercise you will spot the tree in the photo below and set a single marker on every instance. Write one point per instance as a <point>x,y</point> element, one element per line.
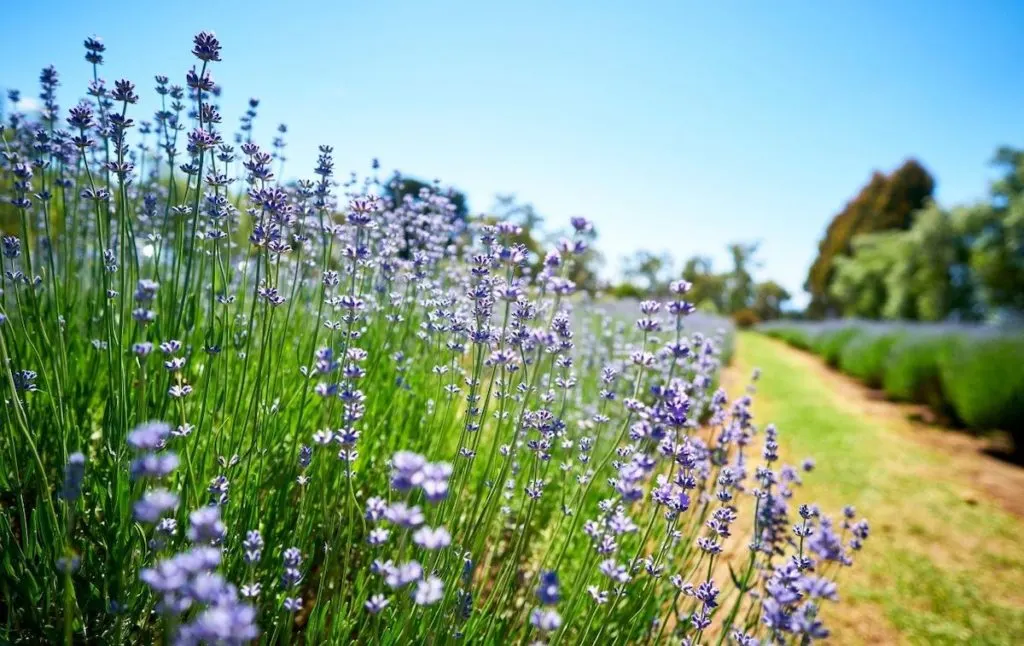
<point>739,282</point>
<point>401,186</point>
<point>858,286</point>
<point>709,289</point>
<point>769,298</point>
<point>885,203</point>
<point>652,269</point>
<point>929,280</point>
<point>995,236</point>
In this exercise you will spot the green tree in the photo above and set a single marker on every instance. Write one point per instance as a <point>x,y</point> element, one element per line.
<point>995,236</point>
<point>769,298</point>
<point>709,289</point>
<point>400,186</point>
<point>928,280</point>
<point>858,286</point>
<point>649,271</point>
<point>886,202</point>
<point>739,281</point>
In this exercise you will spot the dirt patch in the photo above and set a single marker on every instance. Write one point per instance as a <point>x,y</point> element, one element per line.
<point>977,461</point>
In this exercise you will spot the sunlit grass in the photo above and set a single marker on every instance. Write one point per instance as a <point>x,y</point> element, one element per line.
<point>955,571</point>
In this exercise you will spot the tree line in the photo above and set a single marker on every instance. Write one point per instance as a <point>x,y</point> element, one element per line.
<point>894,253</point>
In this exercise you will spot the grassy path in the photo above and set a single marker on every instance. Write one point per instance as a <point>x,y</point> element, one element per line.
<point>945,563</point>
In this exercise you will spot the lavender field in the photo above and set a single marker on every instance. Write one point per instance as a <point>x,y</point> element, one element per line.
<point>969,374</point>
<point>244,409</point>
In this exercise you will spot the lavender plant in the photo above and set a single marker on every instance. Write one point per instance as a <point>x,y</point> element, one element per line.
<point>244,409</point>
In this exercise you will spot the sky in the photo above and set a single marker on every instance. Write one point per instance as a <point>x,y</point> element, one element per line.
<point>675,126</point>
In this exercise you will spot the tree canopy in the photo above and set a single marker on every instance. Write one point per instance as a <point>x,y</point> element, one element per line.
<point>885,203</point>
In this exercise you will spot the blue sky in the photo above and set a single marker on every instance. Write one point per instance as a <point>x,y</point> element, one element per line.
<point>675,126</point>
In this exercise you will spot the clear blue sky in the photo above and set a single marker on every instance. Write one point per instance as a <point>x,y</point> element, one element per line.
<point>676,126</point>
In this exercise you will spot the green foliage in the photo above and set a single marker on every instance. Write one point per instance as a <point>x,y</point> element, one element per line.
<point>650,271</point>
<point>740,283</point>
<point>865,355</point>
<point>709,288</point>
<point>859,284</point>
<point>733,292</point>
<point>968,375</point>
<point>912,371</point>
<point>967,262</point>
<point>984,382</point>
<point>996,236</point>
<point>745,318</point>
<point>885,203</point>
<point>624,291</point>
<point>769,297</point>
<point>829,344</point>
<point>400,187</point>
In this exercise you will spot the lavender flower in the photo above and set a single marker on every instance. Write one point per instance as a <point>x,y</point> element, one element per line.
<point>74,473</point>
<point>428,591</point>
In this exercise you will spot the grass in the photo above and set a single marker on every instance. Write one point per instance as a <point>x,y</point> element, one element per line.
<point>943,571</point>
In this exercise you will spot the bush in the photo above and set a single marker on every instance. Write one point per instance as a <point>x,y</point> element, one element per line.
<point>912,372</point>
<point>745,318</point>
<point>983,380</point>
<point>865,355</point>
<point>830,343</point>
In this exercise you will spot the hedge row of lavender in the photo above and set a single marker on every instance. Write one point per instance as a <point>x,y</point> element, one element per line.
<point>241,409</point>
<point>970,373</point>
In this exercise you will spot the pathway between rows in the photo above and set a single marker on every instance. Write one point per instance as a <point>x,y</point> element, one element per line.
<point>945,563</point>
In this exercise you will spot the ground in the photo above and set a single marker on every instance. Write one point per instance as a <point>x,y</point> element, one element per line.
<point>945,562</point>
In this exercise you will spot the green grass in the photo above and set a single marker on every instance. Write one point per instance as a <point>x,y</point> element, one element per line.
<point>938,570</point>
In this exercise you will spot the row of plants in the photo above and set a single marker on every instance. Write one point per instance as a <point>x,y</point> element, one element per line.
<point>969,375</point>
<point>240,408</point>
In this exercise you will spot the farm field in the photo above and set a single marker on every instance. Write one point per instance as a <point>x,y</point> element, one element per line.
<point>949,516</point>
<point>400,324</point>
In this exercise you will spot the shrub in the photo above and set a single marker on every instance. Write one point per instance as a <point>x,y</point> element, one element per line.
<point>864,356</point>
<point>745,318</point>
<point>983,380</point>
<point>912,371</point>
<point>829,344</point>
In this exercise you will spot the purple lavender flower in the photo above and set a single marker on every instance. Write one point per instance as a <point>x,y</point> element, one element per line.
<point>432,538</point>
<point>74,473</point>
<point>406,470</point>
<point>205,525</point>
<point>253,545</point>
<point>548,591</point>
<point>153,505</point>
<point>403,515</point>
<point>376,603</point>
<point>546,619</point>
<point>154,465</point>
<point>428,591</point>
<point>206,46</point>
<point>150,436</point>
<point>402,575</point>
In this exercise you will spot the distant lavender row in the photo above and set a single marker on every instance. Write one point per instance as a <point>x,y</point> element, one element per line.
<point>969,374</point>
